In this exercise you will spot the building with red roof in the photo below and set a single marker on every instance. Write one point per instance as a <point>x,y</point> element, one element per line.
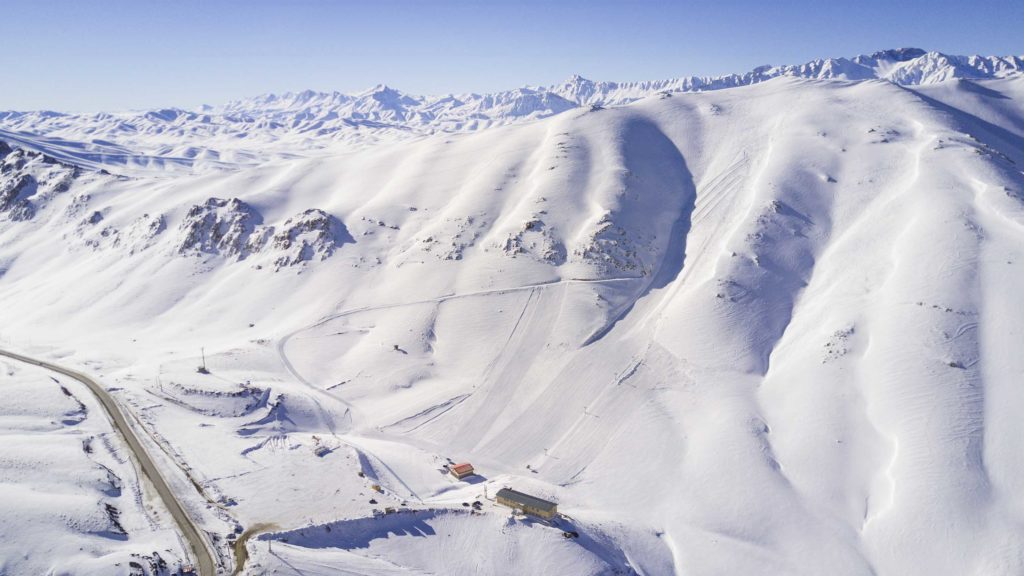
<point>462,470</point>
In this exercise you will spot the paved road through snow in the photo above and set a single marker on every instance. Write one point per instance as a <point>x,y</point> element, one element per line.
<point>204,558</point>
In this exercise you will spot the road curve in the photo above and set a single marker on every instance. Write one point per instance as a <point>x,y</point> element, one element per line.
<point>241,552</point>
<point>205,564</point>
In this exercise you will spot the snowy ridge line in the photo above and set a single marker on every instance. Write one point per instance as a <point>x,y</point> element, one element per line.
<point>273,126</point>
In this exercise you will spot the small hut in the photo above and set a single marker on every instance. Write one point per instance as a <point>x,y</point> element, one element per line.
<point>462,470</point>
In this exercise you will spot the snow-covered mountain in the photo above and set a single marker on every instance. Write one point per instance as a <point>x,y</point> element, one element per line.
<point>271,126</point>
<point>773,329</point>
<point>907,66</point>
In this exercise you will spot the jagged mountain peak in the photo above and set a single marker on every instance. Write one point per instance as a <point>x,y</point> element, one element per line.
<point>577,79</point>
<point>385,94</point>
<point>899,54</point>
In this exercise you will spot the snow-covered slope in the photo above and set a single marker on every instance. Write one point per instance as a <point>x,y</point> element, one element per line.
<point>282,126</point>
<point>766,330</point>
<point>71,500</point>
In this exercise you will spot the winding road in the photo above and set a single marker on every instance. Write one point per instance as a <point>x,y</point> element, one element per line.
<point>205,563</point>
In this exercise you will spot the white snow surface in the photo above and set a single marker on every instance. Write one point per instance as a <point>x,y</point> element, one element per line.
<point>770,329</point>
<point>72,501</point>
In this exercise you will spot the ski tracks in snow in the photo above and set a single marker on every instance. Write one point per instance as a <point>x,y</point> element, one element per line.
<point>349,436</point>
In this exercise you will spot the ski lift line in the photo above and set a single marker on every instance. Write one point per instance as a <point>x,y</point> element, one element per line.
<point>453,295</point>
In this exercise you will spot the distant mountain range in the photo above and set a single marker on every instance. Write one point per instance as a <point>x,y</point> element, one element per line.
<point>254,129</point>
<point>387,106</point>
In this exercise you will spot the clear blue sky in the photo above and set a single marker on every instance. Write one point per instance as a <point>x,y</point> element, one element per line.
<point>88,55</point>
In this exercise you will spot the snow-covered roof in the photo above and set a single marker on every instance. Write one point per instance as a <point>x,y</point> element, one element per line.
<point>526,499</point>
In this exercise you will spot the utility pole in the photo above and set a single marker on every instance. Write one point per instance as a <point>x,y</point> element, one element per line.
<point>202,369</point>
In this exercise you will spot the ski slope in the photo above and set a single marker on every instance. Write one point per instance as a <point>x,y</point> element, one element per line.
<point>769,329</point>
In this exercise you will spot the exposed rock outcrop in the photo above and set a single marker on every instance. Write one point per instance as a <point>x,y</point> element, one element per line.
<point>537,240</point>
<point>234,229</point>
<point>229,227</point>
<point>28,179</point>
<point>311,235</point>
<point>611,248</point>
